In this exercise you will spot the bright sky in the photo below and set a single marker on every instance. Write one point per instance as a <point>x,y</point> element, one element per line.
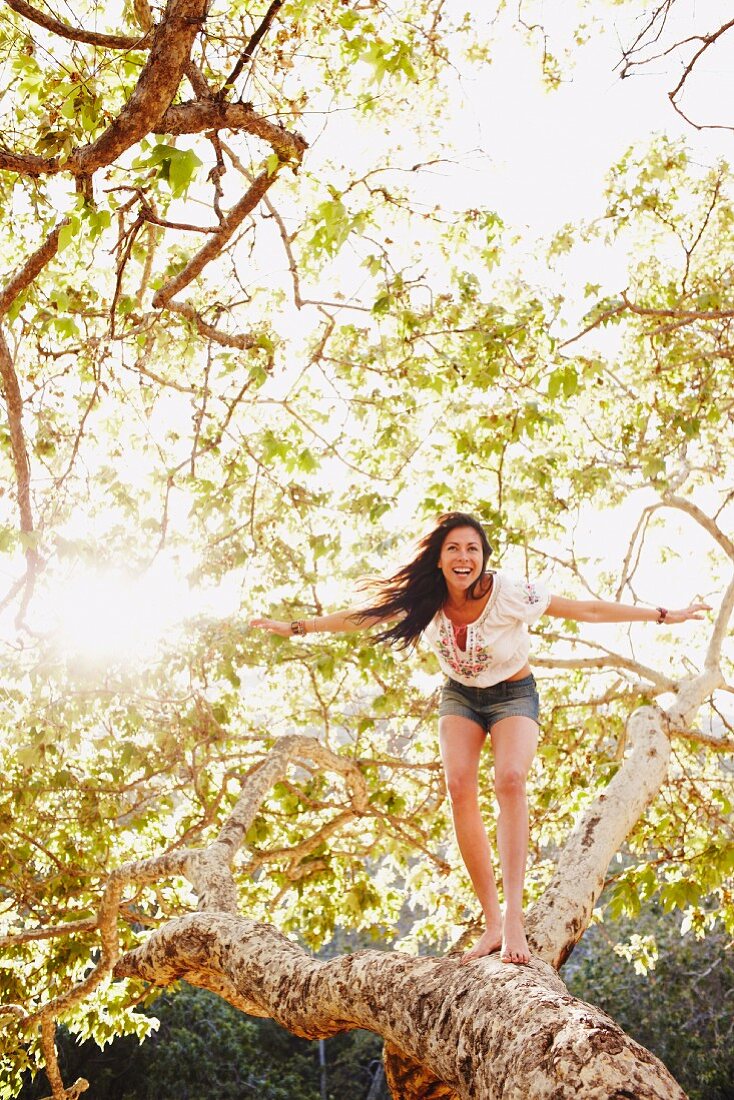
<point>539,158</point>
<point>550,150</point>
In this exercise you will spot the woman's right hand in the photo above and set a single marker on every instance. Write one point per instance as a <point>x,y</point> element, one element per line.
<point>275,626</point>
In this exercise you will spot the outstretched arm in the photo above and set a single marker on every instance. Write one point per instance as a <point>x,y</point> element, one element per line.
<point>341,622</point>
<point>602,611</point>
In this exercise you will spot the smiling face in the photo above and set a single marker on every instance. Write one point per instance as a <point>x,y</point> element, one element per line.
<point>461,560</point>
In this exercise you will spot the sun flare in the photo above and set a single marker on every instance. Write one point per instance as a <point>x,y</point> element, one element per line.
<point>106,614</point>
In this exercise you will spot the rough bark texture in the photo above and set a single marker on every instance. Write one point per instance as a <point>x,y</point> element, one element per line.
<point>216,114</point>
<point>484,1030</point>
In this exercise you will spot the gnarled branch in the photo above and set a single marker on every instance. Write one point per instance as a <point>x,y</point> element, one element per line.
<point>198,116</point>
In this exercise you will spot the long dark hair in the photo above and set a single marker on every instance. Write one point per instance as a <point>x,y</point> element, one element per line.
<point>418,590</point>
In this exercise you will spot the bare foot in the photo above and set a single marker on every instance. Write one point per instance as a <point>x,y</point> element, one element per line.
<point>514,944</point>
<point>489,941</point>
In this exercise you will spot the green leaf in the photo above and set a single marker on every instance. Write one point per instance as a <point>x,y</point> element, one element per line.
<point>68,232</point>
<point>182,169</point>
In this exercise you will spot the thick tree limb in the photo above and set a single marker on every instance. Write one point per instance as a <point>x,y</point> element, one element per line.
<point>558,920</point>
<point>198,116</point>
<point>407,1078</point>
<point>77,34</point>
<point>692,693</point>
<point>485,1030</point>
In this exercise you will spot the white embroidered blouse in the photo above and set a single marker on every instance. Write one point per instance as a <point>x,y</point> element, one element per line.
<point>497,644</point>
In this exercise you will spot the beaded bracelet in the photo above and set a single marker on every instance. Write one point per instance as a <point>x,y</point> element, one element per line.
<point>298,626</point>
<point>662,614</point>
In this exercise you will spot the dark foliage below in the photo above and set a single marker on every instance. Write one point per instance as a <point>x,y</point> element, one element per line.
<point>204,1047</point>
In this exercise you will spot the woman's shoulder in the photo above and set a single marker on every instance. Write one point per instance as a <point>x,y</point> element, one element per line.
<point>519,598</point>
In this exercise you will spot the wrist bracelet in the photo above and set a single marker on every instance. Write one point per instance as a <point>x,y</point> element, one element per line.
<point>662,614</point>
<point>298,626</point>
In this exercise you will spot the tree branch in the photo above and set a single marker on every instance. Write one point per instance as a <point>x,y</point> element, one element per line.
<point>726,609</point>
<point>21,466</point>
<point>31,268</point>
<point>683,315</point>
<point>208,869</point>
<point>170,48</point>
<point>704,520</point>
<point>244,341</point>
<point>615,660</point>
<point>484,1030</point>
<point>558,920</point>
<point>77,34</point>
<point>48,1046</point>
<point>197,116</point>
<point>252,45</point>
<point>721,629</point>
<point>217,241</point>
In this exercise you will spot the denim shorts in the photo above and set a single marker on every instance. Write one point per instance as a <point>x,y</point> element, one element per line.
<point>486,706</point>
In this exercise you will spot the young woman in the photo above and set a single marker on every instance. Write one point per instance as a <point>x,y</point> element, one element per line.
<point>476,621</point>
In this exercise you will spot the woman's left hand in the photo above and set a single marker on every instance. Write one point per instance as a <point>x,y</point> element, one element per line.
<point>686,613</point>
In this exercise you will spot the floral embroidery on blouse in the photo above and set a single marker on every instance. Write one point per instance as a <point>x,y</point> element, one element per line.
<point>476,659</point>
<point>531,596</point>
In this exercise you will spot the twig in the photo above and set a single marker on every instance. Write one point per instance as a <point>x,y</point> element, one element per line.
<point>251,46</point>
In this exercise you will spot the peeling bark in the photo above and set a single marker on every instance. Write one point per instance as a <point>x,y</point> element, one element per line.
<point>408,1079</point>
<point>484,1030</point>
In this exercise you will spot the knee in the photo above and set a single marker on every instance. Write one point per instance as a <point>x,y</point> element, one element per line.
<point>462,788</point>
<point>509,784</point>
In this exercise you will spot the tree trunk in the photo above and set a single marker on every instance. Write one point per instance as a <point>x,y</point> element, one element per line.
<point>477,1031</point>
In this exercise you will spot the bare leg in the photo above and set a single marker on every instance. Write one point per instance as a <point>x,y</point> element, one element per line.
<point>514,741</point>
<point>461,745</point>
